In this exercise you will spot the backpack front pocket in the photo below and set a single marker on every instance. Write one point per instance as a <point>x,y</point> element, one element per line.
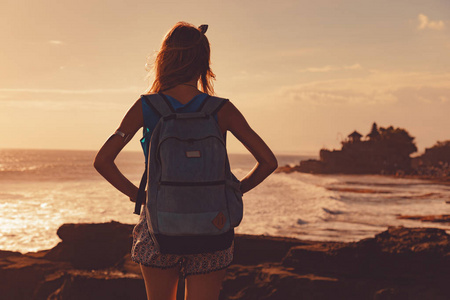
<point>192,208</point>
<point>201,160</point>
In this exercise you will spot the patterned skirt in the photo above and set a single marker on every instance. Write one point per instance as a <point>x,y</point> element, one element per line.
<point>146,253</point>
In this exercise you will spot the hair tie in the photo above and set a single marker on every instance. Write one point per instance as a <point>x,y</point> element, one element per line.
<point>203,28</point>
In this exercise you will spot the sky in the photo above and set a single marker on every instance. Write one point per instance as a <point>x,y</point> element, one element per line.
<point>305,74</point>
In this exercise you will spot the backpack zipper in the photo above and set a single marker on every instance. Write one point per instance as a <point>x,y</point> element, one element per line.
<point>196,183</point>
<point>190,140</point>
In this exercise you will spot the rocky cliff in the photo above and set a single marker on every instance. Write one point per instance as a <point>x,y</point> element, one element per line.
<point>92,262</point>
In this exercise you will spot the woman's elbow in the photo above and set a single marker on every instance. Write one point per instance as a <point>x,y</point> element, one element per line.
<point>273,164</point>
<point>99,163</point>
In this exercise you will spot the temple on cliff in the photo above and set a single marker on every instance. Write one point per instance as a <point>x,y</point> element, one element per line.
<point>384,151</point>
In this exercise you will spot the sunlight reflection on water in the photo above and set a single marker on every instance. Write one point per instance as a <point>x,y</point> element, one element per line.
<point>305,206</point>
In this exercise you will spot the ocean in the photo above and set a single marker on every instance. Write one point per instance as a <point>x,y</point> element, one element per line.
<point>42,189</point>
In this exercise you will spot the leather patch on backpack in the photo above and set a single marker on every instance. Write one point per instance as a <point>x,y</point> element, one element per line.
<point>219,220</point>
<point>193,154</point>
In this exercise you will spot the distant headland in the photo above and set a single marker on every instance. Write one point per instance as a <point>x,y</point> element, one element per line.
<point>383,151</point>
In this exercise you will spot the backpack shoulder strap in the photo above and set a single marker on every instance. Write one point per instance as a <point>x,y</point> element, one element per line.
<point>159,103</point>
<point>161,106</point>
<point>211,105</point>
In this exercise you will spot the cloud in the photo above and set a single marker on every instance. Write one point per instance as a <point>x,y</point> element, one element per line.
<point>353,67</point>
<point>330,68</point>
<point>74,92</point>
<point>376,88</point>
<point>297,52</point>
<point>423,94</point>
<point>323,96</point>
<point>70,105</point>
<point>245,75</point>
<point>320,69</point>
<point>55,42</point>
<point>425,23</point>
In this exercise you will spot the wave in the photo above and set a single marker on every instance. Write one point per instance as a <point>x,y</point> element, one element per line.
<point>332,212</point>
<point>301,222</point>
<point>381,184</point>
<point>46,165</point>
<point>426,196</point>
<point>356,190</point>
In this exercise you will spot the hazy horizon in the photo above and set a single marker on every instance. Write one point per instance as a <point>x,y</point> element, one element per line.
<point>128,150</point>
<point>305,74</point>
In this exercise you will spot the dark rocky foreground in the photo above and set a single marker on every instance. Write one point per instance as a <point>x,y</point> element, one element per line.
<point>93,262</point>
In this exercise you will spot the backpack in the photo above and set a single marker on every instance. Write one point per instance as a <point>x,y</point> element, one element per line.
<point>191,190</point>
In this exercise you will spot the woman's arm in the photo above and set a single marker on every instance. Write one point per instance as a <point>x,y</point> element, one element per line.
<point>104,161</point>
<point>230,118</point>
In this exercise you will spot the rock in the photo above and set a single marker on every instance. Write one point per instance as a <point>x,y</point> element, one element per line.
<point>49,285</point>
<point>324,258</point>
<point>38,254</point>
<point>257,249</point>
<point>20,275</point>
<point>94,232</point>
<point>287,169</point>
<point>274,282</point>
<point>4,253</point>
<point>399,263</point>
<point>311,166</point>
<point>390,294</point>
<point>92,246</point>
<point>86,285</point>
<point>396,253</point>
<point>402,239</point>
<point>126,265</point>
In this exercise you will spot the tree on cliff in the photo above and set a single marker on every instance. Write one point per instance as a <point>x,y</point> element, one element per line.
<point>397,140</point>
<point>440,152</point>
<point>395,146</point>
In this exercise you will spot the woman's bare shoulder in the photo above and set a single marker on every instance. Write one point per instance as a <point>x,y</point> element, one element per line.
<point>133,119</point>
<point>229,110</point>
<point>230,117</point>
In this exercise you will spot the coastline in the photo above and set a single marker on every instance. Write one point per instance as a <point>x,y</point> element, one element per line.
<point>399,263</point>
<point>444,180</point>
<point>433,179</point>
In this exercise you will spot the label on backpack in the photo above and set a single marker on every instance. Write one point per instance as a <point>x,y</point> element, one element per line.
<point>219,220</point>
<point>193,154</point>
